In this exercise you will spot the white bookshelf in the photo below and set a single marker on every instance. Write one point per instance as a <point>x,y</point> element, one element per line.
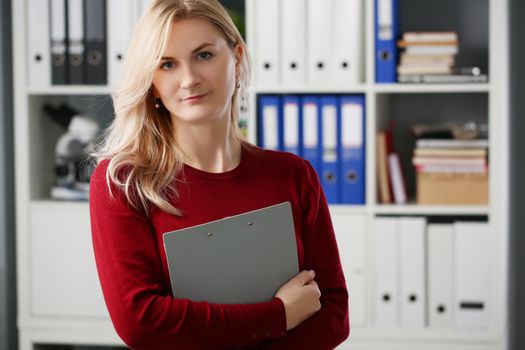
<point>489,99</point>
<point>59,296</point>
<point>87,322</point>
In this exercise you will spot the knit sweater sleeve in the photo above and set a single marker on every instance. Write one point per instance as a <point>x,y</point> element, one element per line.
<point>330,325</point>
<point>142,309</point>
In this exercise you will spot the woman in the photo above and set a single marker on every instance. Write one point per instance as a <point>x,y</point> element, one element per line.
<point>173,158</point>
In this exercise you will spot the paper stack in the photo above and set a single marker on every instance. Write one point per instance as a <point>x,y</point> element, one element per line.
<point>430,57</point>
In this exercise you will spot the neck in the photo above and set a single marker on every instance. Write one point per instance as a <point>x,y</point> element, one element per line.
<point>209,147</point>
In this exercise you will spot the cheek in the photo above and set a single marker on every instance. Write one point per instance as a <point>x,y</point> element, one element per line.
<point>227,77</point>
<point>164,84</point>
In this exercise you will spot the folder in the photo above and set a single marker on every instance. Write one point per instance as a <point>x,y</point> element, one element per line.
<point>329,155</point>
<point>95,36</point>
<point>386,33</point>
<point>270,122</point>
<point>412,281</point>
<point>348,44</point>
<point>241,259</point>
<point>352,149</point>
<point>293,44</point>
<point>291,124</point>
<point>319,41</point>
<point>440,250</point>
<point>38,39</point>
<point>472,274</point>
<point>267,33</point>
<point>311,131</point>
<point>123,14</point>
<point>58,42</point>
<point>350,235</point>
<point>387,303</point>
<point>76,47</point>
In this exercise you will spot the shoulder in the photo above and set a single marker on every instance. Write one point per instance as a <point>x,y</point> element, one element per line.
<point>102,182</point>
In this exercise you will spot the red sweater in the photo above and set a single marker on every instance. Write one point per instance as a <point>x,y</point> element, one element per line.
<point>134,275</point>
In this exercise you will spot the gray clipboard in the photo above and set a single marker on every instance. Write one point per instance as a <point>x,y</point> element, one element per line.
<point>240,259</point>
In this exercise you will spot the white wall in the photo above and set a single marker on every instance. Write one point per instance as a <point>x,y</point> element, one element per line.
<point>517,69</point>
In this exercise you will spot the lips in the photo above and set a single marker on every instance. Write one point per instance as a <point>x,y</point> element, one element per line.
<point>195,97</point>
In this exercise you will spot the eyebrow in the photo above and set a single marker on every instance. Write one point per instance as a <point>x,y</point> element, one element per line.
<point>198,48</point>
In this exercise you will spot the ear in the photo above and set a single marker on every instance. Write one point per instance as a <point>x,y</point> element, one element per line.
<point>239,54</point>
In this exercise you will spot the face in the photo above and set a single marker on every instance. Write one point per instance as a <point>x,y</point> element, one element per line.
<point>197,74</point>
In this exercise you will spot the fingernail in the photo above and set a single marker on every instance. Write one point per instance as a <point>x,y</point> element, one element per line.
<point>312,271</point>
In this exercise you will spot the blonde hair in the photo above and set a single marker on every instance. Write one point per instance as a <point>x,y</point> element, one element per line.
<point>144,159</point>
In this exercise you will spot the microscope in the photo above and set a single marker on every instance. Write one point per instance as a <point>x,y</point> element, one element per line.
<point>72,168</point>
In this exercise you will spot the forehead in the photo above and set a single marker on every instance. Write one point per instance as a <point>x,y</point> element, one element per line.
<point>187,34</point>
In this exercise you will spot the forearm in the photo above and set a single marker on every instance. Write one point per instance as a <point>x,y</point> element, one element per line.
<point>323,331</point>
<point>157,321</point>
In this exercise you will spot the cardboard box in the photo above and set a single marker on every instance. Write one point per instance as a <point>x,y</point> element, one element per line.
<point>452,188</point>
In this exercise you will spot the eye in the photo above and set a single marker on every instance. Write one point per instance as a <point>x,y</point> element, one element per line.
<point>167,65</point>
<point>204,55</point>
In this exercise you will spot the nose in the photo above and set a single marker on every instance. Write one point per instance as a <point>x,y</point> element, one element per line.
<point>190,77</point>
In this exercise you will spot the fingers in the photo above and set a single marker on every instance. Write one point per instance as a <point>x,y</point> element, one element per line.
<point>305,277</point>
<point>315,286</point>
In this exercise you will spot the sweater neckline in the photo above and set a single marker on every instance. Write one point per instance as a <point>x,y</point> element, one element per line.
<point>190,171</point>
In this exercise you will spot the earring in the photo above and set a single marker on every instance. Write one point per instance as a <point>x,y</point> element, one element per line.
<point>157,103</point>
<point>238,84</point>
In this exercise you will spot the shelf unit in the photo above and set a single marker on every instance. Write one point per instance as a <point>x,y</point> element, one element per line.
<point>59,297</point>
<point>47,316</point>
<point>486,102</point>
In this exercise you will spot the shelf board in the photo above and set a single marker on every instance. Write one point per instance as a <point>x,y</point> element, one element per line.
<point>426,334</point>
<point>432,88</point>
<point>346,209</point>
<point>304,89</point>
<point>415,209</point>
<point>58,205</point>
<point>292,89</point>
<point>71,90</point>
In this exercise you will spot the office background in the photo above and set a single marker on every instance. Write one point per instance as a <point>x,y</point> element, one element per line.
<point>7,213</point>
<point>517,264</point>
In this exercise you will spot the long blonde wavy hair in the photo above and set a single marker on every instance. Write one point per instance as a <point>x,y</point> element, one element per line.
<point>144,158</point>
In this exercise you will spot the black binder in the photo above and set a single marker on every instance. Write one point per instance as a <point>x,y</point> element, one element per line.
<point>58,35</point>
<point>95,41</point>
<point>75,36</point>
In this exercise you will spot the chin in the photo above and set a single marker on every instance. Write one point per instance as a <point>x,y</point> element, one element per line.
<point>196,118</point>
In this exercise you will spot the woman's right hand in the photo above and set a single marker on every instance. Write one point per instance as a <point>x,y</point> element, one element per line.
<point>300,296</point>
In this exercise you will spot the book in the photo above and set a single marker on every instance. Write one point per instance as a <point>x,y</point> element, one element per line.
<point>452,143</point>
<point>405,43</point>
<point>430,36</point>
<point>383,182</point>
<point>408,58</point>
<point>397,178</point>
<point>448,161</point>
<point>452,169</point>
<point>428,68</point>
<point>428,49</point>
<point>442,78</point>
<point>450,152</point>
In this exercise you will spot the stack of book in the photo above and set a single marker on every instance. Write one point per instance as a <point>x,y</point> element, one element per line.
<point>451,171</point>
<point>430,57</point>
